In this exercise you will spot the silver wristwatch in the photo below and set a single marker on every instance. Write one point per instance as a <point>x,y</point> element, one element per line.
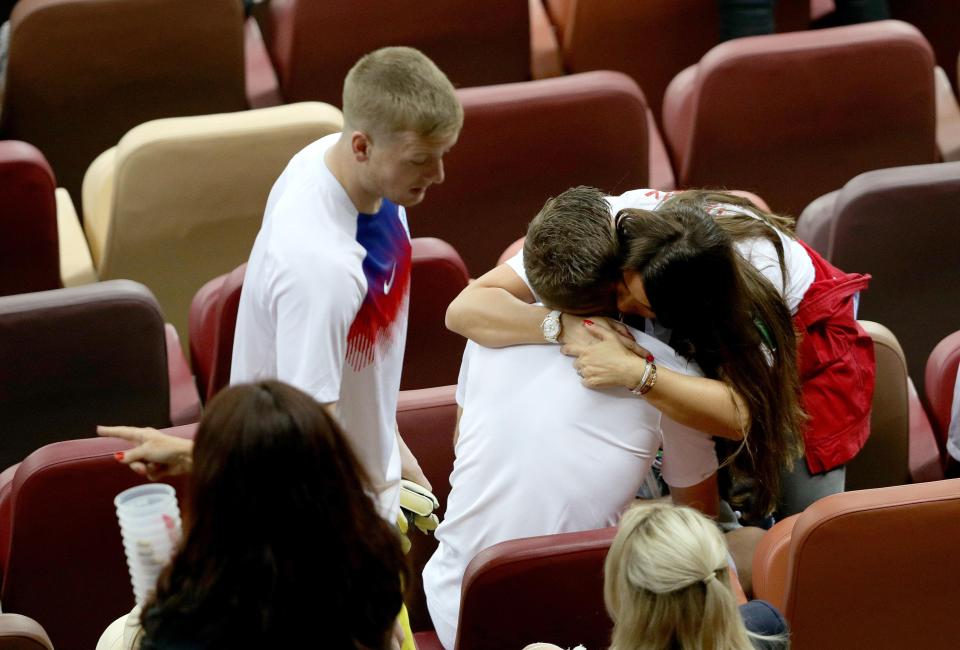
<point>551,327</point>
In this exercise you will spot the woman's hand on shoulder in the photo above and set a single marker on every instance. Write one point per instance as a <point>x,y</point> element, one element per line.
<point>608,358</point>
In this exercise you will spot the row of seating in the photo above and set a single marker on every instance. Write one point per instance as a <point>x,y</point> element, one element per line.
<point>178,201</point>
<point>57,505</point>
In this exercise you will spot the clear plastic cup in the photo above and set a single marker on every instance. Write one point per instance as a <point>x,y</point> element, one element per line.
<point>150,526</point>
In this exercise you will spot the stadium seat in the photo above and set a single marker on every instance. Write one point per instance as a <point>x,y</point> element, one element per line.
<point>426,419</point>
<point>62,557</point>
<point>22,633</point>
<point>546,588</point>
<point>522,143</point>
<point>433,353</point>
<point>867,569</point>
<point>792,116</point>
<point>42,244</point>
<point>213,321</point>
<point>885,458</point>
<point>314,44</point>
<point>180,200</point>
<point>940,381</point>
<point>650,41</point>
<point>81,73</point>
<point>75,358</point>
<point>901,226</point>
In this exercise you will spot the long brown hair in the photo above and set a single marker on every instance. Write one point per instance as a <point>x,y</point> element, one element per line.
<point>284,547</point>
<point>728,318</point>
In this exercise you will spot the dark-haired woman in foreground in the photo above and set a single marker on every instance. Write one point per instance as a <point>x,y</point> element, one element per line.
<point>283,546</point>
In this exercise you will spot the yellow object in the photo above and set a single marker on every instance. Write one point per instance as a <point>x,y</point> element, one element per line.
<point>404,620</point>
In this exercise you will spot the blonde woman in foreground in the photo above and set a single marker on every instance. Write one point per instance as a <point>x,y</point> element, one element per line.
<point>667,587</point>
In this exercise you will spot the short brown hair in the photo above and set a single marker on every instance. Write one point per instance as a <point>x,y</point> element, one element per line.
<point>397,89</point>
<point>570,254</point>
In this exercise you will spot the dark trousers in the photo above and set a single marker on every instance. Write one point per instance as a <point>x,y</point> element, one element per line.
<point>752,17</point>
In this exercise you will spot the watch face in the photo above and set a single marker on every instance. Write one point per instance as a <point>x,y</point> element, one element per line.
<point>551,328</point>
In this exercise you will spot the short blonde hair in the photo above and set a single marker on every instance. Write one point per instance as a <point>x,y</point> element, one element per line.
<point>396,89</point>
<point>666,583</point>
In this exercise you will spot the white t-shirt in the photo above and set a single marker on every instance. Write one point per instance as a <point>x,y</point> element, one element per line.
<point>761,254</point>
<point>538,454</point>
<point>324,308</point>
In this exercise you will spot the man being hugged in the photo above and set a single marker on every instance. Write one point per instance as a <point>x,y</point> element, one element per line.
<point>326,292</point>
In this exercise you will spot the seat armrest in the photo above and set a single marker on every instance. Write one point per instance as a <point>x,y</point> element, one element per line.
<point>545,59</point>
<point>771,560</point>
<point>263,87</point>
<point>948,117</point>
<point>184,397</point>
<point>76,265</point>
<point>22,633</point>
<point>926,462</point>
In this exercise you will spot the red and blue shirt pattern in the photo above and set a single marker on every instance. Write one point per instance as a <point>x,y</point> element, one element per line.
<point>387,271</point>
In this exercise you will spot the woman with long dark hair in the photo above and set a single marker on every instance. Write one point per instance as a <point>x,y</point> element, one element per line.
<point>283,546</point>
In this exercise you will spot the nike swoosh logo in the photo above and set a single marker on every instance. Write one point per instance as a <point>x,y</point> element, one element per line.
<point>388,284</point>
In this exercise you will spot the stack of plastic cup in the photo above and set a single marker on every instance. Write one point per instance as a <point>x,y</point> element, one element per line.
<point>150,526</point>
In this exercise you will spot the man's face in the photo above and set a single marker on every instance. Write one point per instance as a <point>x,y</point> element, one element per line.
<point>403,165</point>
<point>632,297</point>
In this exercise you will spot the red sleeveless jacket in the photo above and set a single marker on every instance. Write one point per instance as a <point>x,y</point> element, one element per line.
<point>836,366</point>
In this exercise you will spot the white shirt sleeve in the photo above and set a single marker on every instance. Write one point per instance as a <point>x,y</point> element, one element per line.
<point>689,456</point>
<point>516,263</point>
<point>953,432</point>
<point>314,306</point>
<point>464,371</point>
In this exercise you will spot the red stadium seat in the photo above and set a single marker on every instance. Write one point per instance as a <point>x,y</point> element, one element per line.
<point>867,569</point>
<point>60,547</point>
<point>792,116</point>
<point>522,143</point>
<point>314,44</point>
<point>75,358</point>
<point>900,225</point>
<point>650,41</point>
<point>535,589</point>
<point>81,73</point>
<point>941,377</point>
<point>427,419</point>
<point>433,353</point>
<point>213,320</point>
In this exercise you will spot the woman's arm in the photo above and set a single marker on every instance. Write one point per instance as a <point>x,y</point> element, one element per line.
<point>496,310</point>
<point>707,405</point>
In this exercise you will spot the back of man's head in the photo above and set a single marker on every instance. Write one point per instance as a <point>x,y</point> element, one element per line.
<point>570,254</point>
<point>396,89</point>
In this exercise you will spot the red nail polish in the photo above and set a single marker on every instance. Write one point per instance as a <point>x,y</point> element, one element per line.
<point>587,322</point>
<point>118,455</point>
<point>649,358</point>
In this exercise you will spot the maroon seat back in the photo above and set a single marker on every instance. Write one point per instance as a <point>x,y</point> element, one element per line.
<point>538,588</point>
<point>313,44</point>
<point>939,20</point>
<point>75,358</point>
<point>63,558</point>
<point>940,383</point>
<point>901,225</point>
<point>793,116</point>
<point>650,41</point>
<point>433,353</point>
<point>29,254</point>
<point>82,73</point>
<point>427,419</point>
<point>213,321</point>
<point>523,143</point>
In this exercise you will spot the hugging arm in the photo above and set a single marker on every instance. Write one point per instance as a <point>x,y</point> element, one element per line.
<point>497,310</point>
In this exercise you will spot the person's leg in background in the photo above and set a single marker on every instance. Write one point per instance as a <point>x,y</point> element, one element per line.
<point>799,488</point>
<point>851,12</point>
<point>745,18</point>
